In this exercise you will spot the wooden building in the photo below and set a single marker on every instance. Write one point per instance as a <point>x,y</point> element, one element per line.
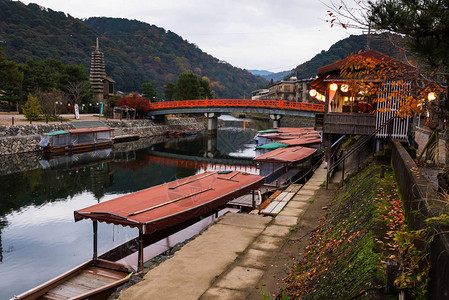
<point>286,90</point>
<point>349,112</point>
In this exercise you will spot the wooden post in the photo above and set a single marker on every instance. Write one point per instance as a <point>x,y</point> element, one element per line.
<point>140,254</point>
<point>253,205</point>
<point>95,226</point>
<point>12,121</point>
<point>343,172</point>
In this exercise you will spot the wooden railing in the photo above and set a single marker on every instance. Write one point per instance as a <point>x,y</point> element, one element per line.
<point>238,103</point>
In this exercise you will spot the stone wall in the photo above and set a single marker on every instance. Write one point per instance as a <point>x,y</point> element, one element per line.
<point>421,202</point>
<point>25,138</point>
<point>148,128</point>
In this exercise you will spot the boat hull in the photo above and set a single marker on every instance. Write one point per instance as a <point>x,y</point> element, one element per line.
<point>71,149</point>
<point>86,281</point>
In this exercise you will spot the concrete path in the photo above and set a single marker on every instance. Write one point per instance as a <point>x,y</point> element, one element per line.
<point>229,260</point>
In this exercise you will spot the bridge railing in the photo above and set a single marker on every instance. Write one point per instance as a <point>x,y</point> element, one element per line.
<point>238,103</point>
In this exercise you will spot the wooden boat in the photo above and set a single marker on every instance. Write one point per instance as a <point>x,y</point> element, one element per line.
<point>86,281</point>
<point>179,133</point>
<point>76,140</point>
<point>156,209</point>
<point>283,164</point>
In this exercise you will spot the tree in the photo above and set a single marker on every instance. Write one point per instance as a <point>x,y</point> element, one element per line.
<point>141,105</point>
<point>10,80</point>
<point>188,87</point>
<point>75,83</point>
<point>424,26</point>
<point>205,90</point>
<point>148,91</point>
<point>52,102</point>
<point>32,109</point>
<point>170,91</point>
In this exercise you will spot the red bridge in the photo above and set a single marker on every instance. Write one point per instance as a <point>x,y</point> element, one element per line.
<point>214,107</point>
<point>242,103</point>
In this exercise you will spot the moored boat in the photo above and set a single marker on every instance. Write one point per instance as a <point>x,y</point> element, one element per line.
<point>283,164</point>
<point>76,140</point>
<point>151,210</point>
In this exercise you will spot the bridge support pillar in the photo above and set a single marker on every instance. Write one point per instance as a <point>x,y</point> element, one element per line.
<point>212,122</point>
<point>276,120</point>
<point>212,147</point>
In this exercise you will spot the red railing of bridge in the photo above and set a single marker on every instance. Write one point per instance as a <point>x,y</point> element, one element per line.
<point>238,103</point>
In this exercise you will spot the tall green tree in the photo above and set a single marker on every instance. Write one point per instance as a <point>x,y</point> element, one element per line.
<point>10,80</point>
<point>148,91</point>
<point>170,91</point>
<point>188,87</point>
<point>191,87</point>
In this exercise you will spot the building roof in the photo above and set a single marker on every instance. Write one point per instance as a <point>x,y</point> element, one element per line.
<point>174,202</point>
<point>336,66</point>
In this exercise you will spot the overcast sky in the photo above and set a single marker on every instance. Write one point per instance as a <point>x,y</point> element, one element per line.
<point>274,35</point>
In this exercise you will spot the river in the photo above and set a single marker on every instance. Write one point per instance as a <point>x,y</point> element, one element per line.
<point>38,236</point>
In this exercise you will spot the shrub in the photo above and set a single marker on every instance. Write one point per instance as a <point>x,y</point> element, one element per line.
<point>32,109</point>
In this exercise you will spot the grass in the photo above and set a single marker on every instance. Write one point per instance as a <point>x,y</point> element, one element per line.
<point>347,254</point>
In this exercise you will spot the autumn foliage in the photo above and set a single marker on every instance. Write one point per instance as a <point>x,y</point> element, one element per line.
<point>140,104</point>
<point>368,75</point>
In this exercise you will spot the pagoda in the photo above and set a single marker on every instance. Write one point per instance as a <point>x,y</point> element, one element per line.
<point>97,73</point>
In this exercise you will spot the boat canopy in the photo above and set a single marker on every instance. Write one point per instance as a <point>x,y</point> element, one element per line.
<point>57,139</point>
<point>267,131</point>
<point>171,203</point>
<point>286,155</point>
<point>301,141</point>
<point>271,146</point>
<point>53,133</point>
<point>89,130</point>
<point>90,135</point>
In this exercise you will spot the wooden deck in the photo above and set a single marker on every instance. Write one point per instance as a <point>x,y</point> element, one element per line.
<point>349,123</point>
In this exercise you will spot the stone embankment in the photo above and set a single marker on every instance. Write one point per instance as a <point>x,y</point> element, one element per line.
<point>25,138</point>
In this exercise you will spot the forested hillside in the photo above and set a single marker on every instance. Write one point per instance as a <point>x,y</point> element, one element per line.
<point>342,49</point>
<point>135,52</point>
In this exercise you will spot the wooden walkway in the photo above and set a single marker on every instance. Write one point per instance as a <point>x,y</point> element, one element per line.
<point>281,200</point>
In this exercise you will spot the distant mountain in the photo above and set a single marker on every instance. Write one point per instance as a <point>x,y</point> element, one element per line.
<point>342,49</point>
<point>135,52</point>
<point>278,76</point>
<point>270,75</point>
<point>260,72</point>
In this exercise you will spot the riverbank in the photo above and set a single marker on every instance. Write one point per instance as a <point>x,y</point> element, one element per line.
<point>24,137</point>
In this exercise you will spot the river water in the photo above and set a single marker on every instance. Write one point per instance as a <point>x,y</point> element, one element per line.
<point>38,236</point>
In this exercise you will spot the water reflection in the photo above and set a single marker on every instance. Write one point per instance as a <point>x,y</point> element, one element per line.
<point>38,237</point>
